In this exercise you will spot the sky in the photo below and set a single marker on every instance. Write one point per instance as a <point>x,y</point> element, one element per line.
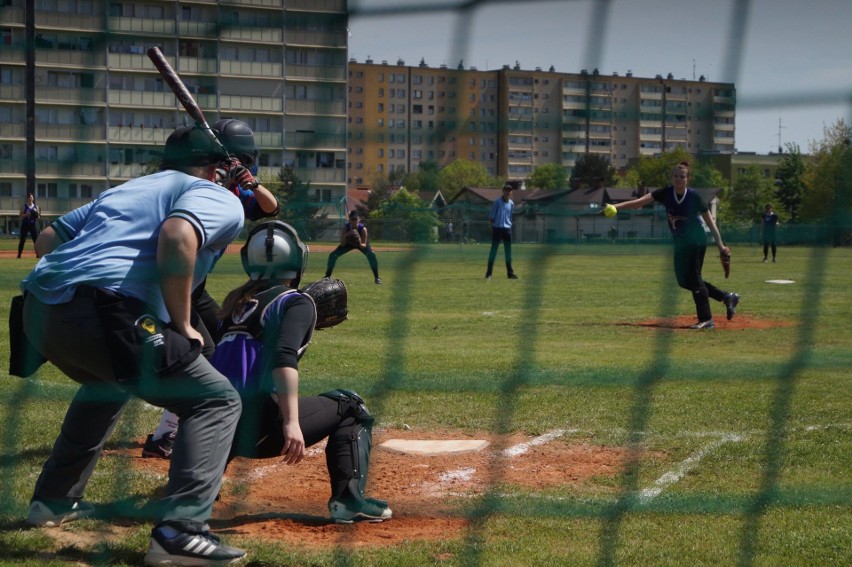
<point>790,60</point>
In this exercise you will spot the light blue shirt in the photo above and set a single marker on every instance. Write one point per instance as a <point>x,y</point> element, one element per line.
<point>111,243</point>
<point>501,213</point>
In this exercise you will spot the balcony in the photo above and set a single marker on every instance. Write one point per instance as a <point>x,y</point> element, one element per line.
<point>10,54</point>
<point>250,103</point>
<point>140,99</point>
<point>196,65</point>
<point>244,33</point>
<point>76,95</point>
<point>13,93</point>
<point>71,58</point>
<point>256,3</point>
<point>326,107</point>
<point>141,26</point>
<point>320,175</point>
<point>69,169</point>
<point>67,21</point>
<point>199,29</point>
<point>315,38</point>
<point>129,61</point>
<point>138,134</point>
<point>269,139</point>
<point>314,141</point>
<point>251,68</point>
<point>13,167</point>
<point>318,72</point>
<point>69,132</point>
<point>127,170</point>
<point>314,5</point>
<point>12,15</point>
<point>9,130</point>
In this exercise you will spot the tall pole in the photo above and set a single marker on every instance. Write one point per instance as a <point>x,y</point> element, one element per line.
<point>29,95</point>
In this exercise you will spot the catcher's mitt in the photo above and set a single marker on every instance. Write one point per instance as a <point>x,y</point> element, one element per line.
<point>353,239</point>
<point>725,258</point>
<point>331,298</point>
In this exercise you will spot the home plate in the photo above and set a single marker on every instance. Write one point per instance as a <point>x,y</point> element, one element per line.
<point>434,446</point>
<point>781,281</point>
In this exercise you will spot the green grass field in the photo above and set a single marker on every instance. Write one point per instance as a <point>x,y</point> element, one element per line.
<point>755,426</point>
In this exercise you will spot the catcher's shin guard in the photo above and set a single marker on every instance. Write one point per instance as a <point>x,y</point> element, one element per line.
<point>348,449</point>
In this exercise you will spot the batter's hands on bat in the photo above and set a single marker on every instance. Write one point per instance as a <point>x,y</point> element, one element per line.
<point>294,444</point>
<point>237,175</point>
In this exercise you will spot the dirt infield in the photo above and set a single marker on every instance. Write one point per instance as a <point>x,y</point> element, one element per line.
<point>270,500</point>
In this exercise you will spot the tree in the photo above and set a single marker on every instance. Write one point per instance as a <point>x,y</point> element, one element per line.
<point>418,221</point>
<point>748,196</point>
<point>592,171</point>
<point>427,174</point>
<point>820,200</point>
<point>789,184</point>
<point>549,176</point>
<point>297,207</point>
<point>464,173</point>
<point>657,171</point>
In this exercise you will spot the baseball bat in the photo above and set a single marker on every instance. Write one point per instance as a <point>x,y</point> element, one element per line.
<point>183,95</point>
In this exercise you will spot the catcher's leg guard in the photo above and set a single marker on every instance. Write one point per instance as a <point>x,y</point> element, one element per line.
<point>348,449</point>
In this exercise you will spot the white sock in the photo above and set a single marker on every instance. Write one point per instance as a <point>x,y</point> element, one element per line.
<point>168,424</point>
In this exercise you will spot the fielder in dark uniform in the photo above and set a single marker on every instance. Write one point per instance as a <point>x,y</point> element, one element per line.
<point>354,237</point>
<point>266,325</point>
<point>29,222</point>
<point>685,208</point>
<point>768,222</point>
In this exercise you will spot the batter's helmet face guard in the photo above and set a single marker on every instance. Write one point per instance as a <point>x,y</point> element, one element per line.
<point>274,251</point>
<point>238,139</point>
<point>190,147</point>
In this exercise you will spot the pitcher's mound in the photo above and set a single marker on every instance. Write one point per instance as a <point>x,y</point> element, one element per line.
<point>739,322</point>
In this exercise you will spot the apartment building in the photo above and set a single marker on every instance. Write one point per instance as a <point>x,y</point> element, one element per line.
<point>83,109</point>
<point>512,120</point>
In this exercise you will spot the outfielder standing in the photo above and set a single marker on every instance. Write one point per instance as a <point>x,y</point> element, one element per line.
<point>266,325</point>
<point>500,216</point>
<point>685,208</point>
<point>768,222</point>
<point>109,305</point>
<point>354,237</point>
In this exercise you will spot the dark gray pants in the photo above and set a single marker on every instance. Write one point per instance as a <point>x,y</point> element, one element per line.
<point>70,335</point>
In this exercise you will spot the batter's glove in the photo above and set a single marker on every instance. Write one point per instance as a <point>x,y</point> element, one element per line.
<point>725,258</point>
<point>234,174</point>
<point>331,298</point>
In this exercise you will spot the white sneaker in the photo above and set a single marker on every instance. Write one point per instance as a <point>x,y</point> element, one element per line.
<point>41,515</point>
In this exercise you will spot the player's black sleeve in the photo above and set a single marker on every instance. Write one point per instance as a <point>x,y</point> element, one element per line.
<point>295,326</point>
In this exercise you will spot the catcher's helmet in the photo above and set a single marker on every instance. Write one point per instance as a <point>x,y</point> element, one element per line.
<point>190,146</point>
<point>274,251</point>
<point>237,138</point>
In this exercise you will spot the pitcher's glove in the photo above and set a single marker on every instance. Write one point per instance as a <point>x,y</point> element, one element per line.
<point>725,258</point>
<point>331,298</point>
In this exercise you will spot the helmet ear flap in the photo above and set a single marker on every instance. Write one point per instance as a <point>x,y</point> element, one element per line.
<point>274,250</point>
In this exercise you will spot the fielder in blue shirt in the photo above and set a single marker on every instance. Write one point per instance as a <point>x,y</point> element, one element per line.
<point>500,216</point>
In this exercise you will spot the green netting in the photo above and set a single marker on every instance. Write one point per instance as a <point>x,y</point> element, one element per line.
<point>545,343</point>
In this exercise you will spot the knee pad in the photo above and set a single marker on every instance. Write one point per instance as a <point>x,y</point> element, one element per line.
<point>350,404</point>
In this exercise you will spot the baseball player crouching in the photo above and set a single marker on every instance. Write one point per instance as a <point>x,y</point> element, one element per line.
<point>265,327</point>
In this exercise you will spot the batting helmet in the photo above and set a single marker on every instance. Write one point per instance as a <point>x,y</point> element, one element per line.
<point>274,251</point>
<point>237,138</point>
<point>189,147</point>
